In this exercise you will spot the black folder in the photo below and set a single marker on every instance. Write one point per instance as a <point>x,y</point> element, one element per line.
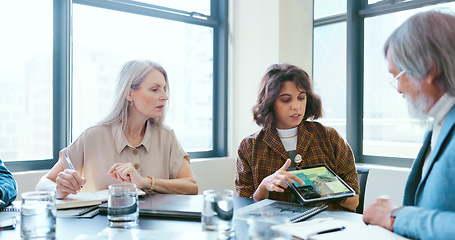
<point>187,207</point>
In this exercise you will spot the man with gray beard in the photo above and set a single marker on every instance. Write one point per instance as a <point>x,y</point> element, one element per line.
<point>421,57</point>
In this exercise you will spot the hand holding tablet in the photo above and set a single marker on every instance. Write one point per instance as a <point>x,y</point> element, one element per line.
<point>321,184</point>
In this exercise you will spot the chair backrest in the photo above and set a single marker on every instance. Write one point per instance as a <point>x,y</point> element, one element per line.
<point>362,174</point>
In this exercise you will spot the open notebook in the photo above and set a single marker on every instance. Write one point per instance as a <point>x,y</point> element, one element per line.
<point>84,199</point>
<point>187,207</point>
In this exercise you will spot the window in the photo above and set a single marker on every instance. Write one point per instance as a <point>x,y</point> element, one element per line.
<point>387,134</point>
<point>59,71</point>
<point>330,70</point>
<point>102,45</point>
<point>326,8</point>
<point>199,6</point>
<point>388,128</point>
<point>26,107</point>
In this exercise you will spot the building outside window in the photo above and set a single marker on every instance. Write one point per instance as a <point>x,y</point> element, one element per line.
<point>387,130</point>
<point>52,90</point>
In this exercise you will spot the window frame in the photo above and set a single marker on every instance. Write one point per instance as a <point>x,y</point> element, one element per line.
<point>62,70</point>
<point>356,12</point>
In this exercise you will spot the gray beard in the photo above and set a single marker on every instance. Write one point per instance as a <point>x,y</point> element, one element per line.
<point>417,108</point>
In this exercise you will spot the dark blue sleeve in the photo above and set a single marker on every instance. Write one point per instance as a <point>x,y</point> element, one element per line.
<point>8,186</point>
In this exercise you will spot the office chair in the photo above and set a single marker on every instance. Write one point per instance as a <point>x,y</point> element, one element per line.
<point>362,175</point>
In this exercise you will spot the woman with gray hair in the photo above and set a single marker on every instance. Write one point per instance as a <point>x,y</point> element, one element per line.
<point>130,145</point>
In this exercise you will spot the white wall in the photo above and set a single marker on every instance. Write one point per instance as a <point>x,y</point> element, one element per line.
<point>214,173</point>
<point>26,181</point>
<point>385,180</point>
<point>262,33</point>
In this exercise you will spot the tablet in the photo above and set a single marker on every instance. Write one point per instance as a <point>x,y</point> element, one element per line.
<point>321,184</point>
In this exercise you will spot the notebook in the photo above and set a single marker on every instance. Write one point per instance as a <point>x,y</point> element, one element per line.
<point>82,212</point>
<point>85,199</point>
<point>187,207</point>
<point>308,213</point>
<point>271,208</point>
<point>82,199</point>
<point>14,210</point>
<point>11,211</point>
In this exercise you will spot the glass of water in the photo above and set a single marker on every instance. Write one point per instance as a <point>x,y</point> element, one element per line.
<point>266,228</point>
<point>123,209</point>
<point>38,213</point>
<point>218,212</point>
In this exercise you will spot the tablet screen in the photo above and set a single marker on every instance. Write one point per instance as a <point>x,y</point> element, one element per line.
<point>320,182</point>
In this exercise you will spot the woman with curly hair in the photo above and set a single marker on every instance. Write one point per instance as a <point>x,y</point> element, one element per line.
<point>285,108</point>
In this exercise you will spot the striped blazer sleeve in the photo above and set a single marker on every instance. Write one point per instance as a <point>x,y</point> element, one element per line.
<point>244,176</point>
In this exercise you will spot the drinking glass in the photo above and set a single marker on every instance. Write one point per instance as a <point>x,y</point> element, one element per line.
<point>218,212</point>
<point>264,228</point>
<point>123,209</point>
<point>38,213</point>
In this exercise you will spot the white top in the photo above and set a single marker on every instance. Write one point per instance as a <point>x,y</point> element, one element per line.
<point>98,148</point>
<point>288,138</point>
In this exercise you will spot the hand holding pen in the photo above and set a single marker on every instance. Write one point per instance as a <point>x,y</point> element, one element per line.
<point>68,160</point>
<point>68,181</point>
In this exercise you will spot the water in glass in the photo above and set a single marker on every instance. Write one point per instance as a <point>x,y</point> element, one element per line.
<point>123,211</point>
<point>218,212</point>
<point>38,213</point>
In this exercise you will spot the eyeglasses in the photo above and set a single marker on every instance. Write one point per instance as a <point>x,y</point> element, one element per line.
<point>394,80</point>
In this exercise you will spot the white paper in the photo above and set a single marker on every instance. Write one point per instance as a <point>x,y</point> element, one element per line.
<point>352,231</point>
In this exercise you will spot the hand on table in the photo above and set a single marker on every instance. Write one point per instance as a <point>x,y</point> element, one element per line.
<point>378,213</point>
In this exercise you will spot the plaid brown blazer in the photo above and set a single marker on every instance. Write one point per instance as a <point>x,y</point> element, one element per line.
<point>262,153</point>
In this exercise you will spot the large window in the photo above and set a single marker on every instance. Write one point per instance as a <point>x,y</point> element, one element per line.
<point>378,126</point>
<point>326,8</point>
<point>387,127</point>
<point>60,60</point>
<point>102,45</point>
<point>26,80</point>
<point>330,73</point>
<point>193,6</point>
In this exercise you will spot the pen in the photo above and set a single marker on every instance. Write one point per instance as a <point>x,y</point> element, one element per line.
<point>68,160</point>
<point>310,236</point>
<point>330,230</point>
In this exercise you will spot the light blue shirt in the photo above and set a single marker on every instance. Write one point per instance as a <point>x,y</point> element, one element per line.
<point>429,196</point>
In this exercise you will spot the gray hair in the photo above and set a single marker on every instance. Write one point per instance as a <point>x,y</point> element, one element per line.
<point>131,75</point>
<point>423,39</point>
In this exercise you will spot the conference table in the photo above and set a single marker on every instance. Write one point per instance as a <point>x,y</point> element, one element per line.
<point>157,228</point>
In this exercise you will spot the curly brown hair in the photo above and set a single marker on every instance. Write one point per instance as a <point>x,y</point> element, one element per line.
<point>270,88</point>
